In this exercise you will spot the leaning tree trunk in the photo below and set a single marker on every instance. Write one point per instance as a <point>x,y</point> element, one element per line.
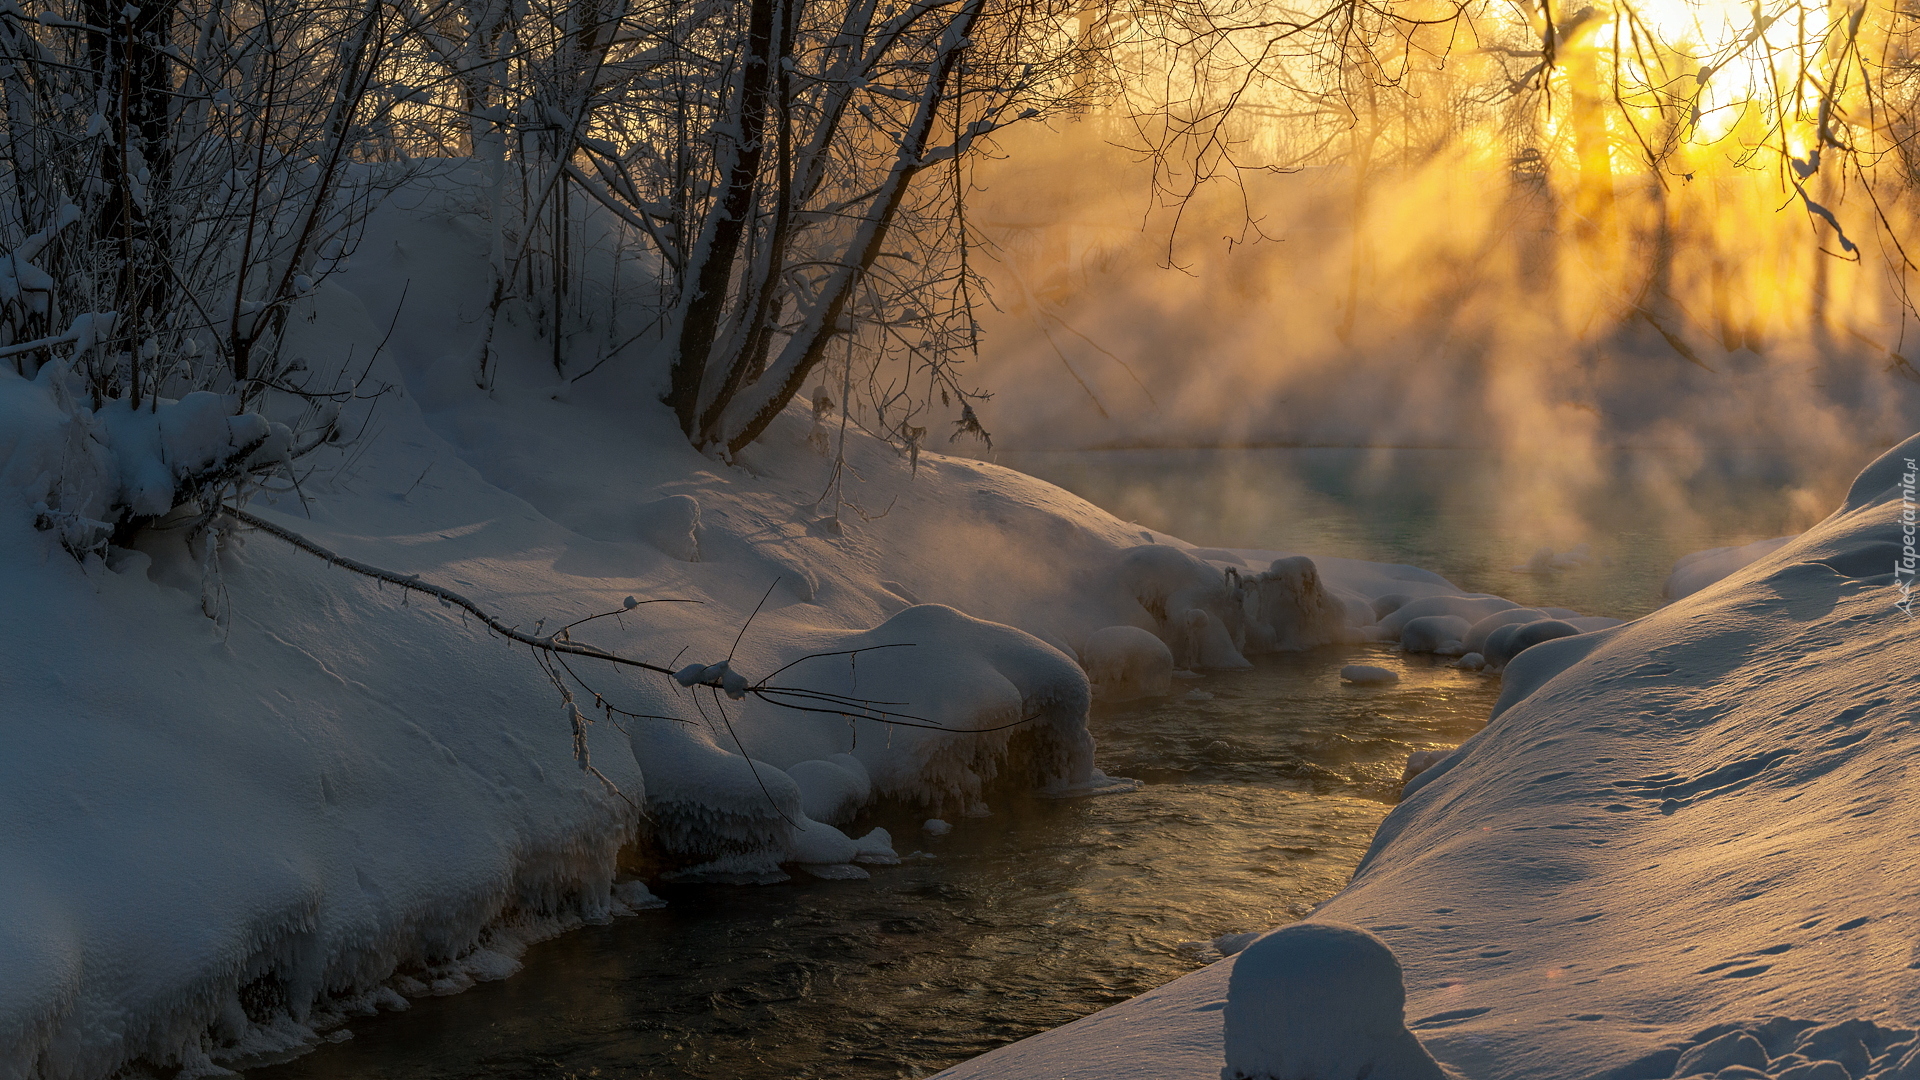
<point>743,410</point>
<point>710,269</point>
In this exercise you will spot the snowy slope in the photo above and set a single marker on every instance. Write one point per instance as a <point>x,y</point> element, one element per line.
<point>1671,831</point>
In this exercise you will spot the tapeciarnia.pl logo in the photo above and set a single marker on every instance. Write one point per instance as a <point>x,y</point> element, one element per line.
<point>1905,565</point>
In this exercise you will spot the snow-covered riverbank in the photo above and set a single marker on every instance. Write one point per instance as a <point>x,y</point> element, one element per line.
<point>249,794</point>
<point>1671,832</point>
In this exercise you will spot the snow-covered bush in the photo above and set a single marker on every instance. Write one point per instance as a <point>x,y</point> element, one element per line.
<point>91,475</point>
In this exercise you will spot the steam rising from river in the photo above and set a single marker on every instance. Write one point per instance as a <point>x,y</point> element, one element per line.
<point>1475,301</point>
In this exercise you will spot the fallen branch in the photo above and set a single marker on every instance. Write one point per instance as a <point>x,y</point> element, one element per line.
<point>549,643</point>
<point>720,677</point>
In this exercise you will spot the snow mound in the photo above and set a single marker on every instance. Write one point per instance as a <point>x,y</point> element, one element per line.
<point>832,790</point>
<point>969,698</point>
<point>1320,1001</point>
<point>672,524</point>
<point>1476,639</point>
<point>1509,641</point>
<point>85,470</point>
<point>1199,609</point>
<point>1295,609</point>
<point>1124,663</point>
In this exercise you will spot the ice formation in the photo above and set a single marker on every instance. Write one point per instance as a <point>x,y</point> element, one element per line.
<point>1214,617</point>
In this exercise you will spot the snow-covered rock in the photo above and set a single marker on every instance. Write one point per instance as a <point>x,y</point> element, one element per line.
<point>1509,641</point>
<point>1476,638</point>
<point>1124,663</point>
<point>1471,609</point>
<point>1368,675</point>
<point>1293,608</point>
<point>1200,610</point>
<point>1320,1001</point>
<point>1435,634</point>
<point>832,790</point>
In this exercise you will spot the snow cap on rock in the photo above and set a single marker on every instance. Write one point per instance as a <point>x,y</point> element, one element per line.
<point>1368,675</point>
<point>1125,662</point>
<point>1321,1001</point>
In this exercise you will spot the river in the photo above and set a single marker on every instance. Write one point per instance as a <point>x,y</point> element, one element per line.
<point>1262,789</point>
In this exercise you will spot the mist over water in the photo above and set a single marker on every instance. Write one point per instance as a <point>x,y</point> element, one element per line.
<point>1456,298</point>
<point>1453,511</point>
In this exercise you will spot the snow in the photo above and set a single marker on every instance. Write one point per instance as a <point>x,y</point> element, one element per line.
<point>222,837</point>
<point>1702,568</point>
<point>1476,639</point>
<point>1368,675</point>
<point>1509,641</point>
<point>1677,840</point>
<point>1435,634</point>
<point>382,799</point>
<point>1320,1001</point>
<point>1124,663</point>
<point>1470,609</point>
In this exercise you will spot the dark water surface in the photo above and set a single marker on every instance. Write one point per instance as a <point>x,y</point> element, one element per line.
<point>1263,788</point>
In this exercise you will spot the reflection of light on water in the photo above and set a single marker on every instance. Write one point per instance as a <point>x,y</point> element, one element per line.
<point>1259,802</point>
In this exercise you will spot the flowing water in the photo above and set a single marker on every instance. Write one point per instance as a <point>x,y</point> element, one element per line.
<point>1263,788</point>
